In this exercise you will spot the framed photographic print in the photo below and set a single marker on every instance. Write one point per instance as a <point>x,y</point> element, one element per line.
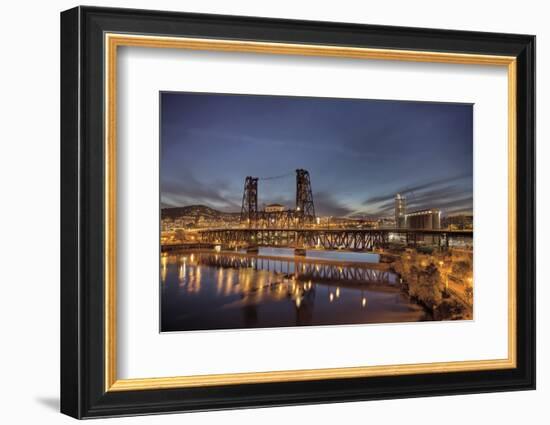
<point>262,212</point>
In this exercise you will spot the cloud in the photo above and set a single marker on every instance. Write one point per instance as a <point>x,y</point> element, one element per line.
<point>228,137</point>
<point>434,194</point>
<point>325,204</point>
<point>416,188</point>
<point>454,197</point>
<point>439,197</point>
<point>461,204</point>
<point>287,202</point>
<point>458,210</point>
<point>190,191</point>
<point>386,209</point>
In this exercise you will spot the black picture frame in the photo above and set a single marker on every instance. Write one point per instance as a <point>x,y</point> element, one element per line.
<point>83,392</point>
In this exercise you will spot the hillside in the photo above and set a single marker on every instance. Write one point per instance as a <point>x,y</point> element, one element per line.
<point>196,211</point>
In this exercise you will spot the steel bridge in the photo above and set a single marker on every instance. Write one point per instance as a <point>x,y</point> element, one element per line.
<point>351,239</point>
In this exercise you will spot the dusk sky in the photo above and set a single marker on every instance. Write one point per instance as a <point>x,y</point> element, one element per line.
<point>359,153</point>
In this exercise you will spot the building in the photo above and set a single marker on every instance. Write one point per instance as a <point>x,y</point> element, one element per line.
<point>424,219</point>
<point>274,208</point>
<point>400,211</point>
<point>458,222</point>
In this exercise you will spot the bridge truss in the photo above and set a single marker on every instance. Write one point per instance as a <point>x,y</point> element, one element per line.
<point>304,238</point>
<point>331,239</point>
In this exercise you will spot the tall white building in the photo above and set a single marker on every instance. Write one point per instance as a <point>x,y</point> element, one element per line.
<point>400,211</point>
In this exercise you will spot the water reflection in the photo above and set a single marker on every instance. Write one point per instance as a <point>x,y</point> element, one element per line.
<point>362,257</point>
<point>207,290</point>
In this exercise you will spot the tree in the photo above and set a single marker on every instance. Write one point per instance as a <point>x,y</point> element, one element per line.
<point>427,286</point>
<point>461,268</point>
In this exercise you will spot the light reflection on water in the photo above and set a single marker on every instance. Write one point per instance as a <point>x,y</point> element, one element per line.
<point>362,257</point>
<point>204,290</point>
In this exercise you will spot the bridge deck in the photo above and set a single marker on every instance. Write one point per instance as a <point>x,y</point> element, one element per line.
<point>458,233</point>
<point>355,239</point>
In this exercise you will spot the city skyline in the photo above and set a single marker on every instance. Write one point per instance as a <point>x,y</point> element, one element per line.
<point>359,153</point>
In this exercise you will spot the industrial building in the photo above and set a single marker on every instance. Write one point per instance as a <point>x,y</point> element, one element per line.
<point>429,219</point>
<point>458,222</point>
<point>424,219</point>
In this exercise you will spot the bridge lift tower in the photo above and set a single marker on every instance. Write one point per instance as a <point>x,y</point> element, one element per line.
<point>304,213</point>
<point>305,210</point>
<point>249,209</point>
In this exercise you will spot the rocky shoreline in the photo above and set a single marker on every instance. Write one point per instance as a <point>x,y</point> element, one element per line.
<point>440,281</point>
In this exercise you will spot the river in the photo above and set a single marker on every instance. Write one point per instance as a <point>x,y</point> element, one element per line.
<point>203,290</point>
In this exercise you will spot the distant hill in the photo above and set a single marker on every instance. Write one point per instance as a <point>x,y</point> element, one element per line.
<point>195,211</point>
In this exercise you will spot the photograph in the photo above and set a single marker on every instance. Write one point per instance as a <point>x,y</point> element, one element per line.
<point>281,211</point>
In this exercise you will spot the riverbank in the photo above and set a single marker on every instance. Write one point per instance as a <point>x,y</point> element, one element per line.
<point>441,281</point>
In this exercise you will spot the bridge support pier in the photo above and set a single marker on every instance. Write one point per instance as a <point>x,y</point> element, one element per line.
<point>300,252</point>
<point>252,249</point>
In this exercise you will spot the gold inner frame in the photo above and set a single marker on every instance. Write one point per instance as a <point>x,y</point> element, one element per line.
<point>113,41</point>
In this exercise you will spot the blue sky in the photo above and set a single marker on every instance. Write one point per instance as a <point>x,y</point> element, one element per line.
<point>359,153</point>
